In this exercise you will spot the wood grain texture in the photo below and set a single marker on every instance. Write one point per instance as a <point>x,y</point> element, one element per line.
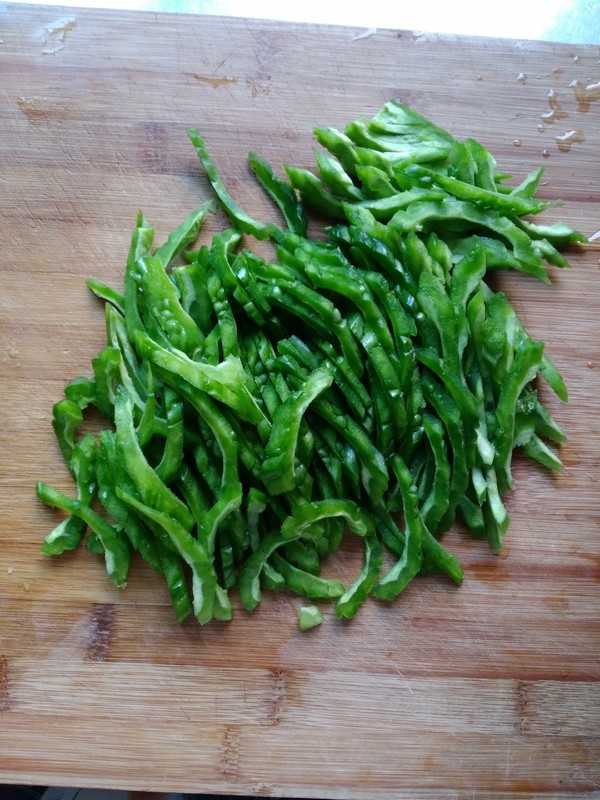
<point>490,691</point>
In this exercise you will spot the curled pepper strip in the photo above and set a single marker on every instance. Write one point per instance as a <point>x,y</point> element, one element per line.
<point>407,567</point>
<point>278,471</point>
<point>281,192</point>
<point>239,218</point>
<point>225,381</point>
<point>526,365</point>
<point>358,591</point>
<point>116,547</point>
<point>305,583</point>
<point>152,491</point>
<point>183,235</point>
<point>204,579</point>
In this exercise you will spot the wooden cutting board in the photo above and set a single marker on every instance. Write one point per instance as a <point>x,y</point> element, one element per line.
<point>487,691</point>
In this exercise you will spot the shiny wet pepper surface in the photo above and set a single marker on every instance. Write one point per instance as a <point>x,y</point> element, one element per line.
<point>367,380</point>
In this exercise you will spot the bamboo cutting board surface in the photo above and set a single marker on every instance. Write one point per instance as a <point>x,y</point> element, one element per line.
<point>487,691</point>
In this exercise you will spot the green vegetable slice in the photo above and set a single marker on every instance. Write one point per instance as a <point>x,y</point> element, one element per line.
<point>366,378</point>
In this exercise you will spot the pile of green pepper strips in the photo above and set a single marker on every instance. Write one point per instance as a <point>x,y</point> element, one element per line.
<point>370,380</point>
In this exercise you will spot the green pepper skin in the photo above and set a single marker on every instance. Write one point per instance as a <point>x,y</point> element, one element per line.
<point>264,405</point>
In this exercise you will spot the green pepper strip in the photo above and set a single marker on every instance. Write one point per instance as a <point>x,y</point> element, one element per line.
<point>303,555</point>
<point>116,548</point>
<point>191,281</point>
<point>436,304</point>
<point>427,214</point>
<point>466,277</point>
<point>239,218</point>
<point>249,293</point>
<point>497,255</point>
<point>225,319</point>
<point>335,177</point>
<point>374,473</point>
<point>270,578</point>
<point>107,374</point>
<point>141,243</point>
<point>162,299</point>
<point>191,551</point>
<point>309,617</point>
<point>559,233</point>
<point>277,471</point>
<point>153,492</point>
<point>230,491</point>
<point>402,325</point>
<point>333,468</point>
<point>405,569</point>
<point>248,580</point>
<point>106,470</point>
<point>81,391</point>
<point>546,425</point>
<point>133,376</point>
<point>540,452</point>
<point>435,557</point>
<point>338,451</point>
<point>346,379</point>
<point>497,515</point>
<point>436,503</point>
<point>256,504</point>
<point>306,515</point>
<point>331,410</point>
<point>68,534</point>
<point>389,371</point>
<point>384,208</point>
<point>339,145</point>
<point>372,242</point>
<point>447,411</point>
<point>65,536</point>
<point>183,235</point>
<point>108,294</point>
<point>172,457</point>
<point>192,493</point>
<point>456,387</point>
<point>512,204</point>
<point>349,284</point>
<point>485,165</point>
<point>350,388</point>
<point>149,424</point>
<point>312,192</point>
<point>281,192</point>
<point>472,516</point>
<point>304,583</point>
<point>407,142</point>
<point>222,246</point>
<point>296,300</point>
<point>548,370</point>
<point>67,416</point>
<point>526,365</point>
<point>175,578</point>
<point>375,182</point>
<point>385,439</point>
<point>349,603</point>
<point>225,381</point>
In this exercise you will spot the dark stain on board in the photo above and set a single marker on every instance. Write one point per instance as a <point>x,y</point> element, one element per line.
<point>4,695</point>
<point>230,752</point>
<point>100,632</point>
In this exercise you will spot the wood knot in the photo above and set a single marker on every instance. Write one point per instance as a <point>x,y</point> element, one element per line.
<point>100,632</point>
<point>230,752</point>
<point>4,697</point>
<point>278,696</point>
<point>523,705</point>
